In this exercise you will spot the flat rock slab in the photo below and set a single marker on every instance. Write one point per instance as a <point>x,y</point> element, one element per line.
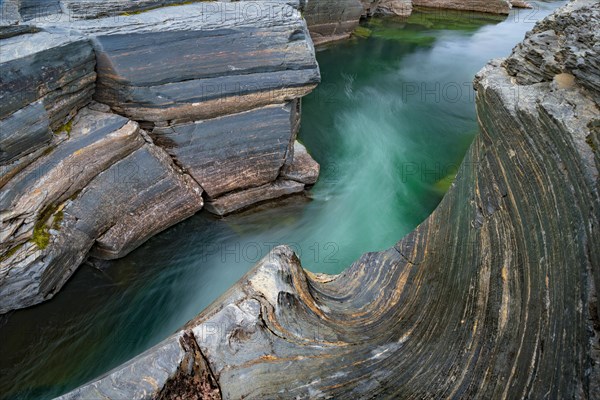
<point>232,152</point>
<point>243,199</point>
<point>88,9</point>
<point>200,60</point>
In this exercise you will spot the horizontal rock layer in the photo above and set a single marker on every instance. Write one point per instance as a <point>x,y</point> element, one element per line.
<point>493,296</point>
<point>201,60</point>
<point>232,152</point>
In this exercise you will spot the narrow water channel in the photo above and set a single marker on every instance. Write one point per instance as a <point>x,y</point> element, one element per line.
<point>389,125</point>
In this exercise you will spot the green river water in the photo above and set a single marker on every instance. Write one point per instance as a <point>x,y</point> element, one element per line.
<point>389,125</point>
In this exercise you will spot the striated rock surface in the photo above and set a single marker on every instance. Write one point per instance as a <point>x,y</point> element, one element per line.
<point>232,152</point>
<point>399,8</point>
<point>103,185</point>
<point>332,20</point>
<point>493,296</point>
<point>200,61</point>
<point>242,199</point>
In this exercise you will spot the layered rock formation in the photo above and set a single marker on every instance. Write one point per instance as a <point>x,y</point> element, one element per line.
<point>334,20</point>
<point>493,296</point>
<point>191,103</point>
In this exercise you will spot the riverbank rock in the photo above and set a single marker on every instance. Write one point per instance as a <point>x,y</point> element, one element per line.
<point>201,60</point>
<point>487,6</point>
<point>103,185</point>
<point>332,20</point>
<point>398,8</point>
<point>303,168</point>
<point>242,199</point>
<point>493,296</point>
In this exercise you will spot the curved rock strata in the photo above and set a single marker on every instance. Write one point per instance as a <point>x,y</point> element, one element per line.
<point>493,296</point>
<point>191,103</point>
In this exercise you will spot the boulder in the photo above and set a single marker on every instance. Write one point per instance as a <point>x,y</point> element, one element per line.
<point>303,168</point>
<point>150,195</point>
<point>332,20</point>
<point>118,210</point>
<point>96,142</point>
<point>399,8</point>
<point>564,43</point>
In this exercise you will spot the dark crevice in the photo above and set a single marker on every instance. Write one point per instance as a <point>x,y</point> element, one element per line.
<point>194,379</point>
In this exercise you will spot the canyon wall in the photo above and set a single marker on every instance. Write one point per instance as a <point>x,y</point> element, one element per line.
<point>116,128</point>
<point>493,296</point>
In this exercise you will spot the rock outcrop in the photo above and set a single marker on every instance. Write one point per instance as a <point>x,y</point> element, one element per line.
<point>191,103</point>
<point>335,20</point>
<point>493,296</point>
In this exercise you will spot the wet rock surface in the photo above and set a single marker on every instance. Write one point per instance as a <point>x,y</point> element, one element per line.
<point>494,295</point>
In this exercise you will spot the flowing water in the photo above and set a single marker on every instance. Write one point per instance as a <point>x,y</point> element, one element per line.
<point>389,125</point>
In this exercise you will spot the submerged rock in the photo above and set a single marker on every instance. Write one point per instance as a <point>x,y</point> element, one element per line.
<point>494,295</point>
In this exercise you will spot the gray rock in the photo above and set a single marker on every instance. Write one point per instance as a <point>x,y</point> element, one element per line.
<point>214,59</point>
<point>24,132</point>
<point>9,14</point>
<point>96,142</point>
<point>122,207</point>
<point>303,168</point>
<point>87,9</point>
<point>399,8</point>
<point>152,194</point>
<point>232,152</point>
<point>142,378</point>
<point>332,20</point>
<point>56,69</point>
<point>243,199</point>
<point>560,45</point>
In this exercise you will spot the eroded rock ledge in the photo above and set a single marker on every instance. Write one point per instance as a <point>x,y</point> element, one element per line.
<point>116,128</point>
<point>493,296</point>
